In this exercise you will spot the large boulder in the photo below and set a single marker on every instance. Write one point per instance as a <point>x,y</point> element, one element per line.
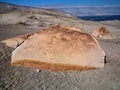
<point>102,33</point>
<point>59,48</point>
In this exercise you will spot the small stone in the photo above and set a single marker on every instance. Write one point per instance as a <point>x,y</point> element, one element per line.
<point>102,33</point>
<point>38,70</point>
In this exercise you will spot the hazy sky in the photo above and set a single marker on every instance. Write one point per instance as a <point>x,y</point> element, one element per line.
<point>66,2</point>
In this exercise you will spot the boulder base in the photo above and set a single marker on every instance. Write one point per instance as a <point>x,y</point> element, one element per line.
<point>59,48</point>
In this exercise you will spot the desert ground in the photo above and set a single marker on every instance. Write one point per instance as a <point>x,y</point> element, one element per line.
<point>23,78</point>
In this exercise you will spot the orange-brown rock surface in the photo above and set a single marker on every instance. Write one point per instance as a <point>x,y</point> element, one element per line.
<point>59,48</point>
<point>102,33</point>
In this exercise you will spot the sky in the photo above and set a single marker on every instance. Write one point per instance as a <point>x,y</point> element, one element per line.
<point>36,3</point>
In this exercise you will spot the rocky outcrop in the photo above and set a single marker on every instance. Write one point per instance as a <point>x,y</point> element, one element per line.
<point>59,48</point>
<point>102,33</point>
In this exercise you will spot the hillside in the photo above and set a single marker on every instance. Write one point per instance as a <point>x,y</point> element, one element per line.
<point>7,7</point>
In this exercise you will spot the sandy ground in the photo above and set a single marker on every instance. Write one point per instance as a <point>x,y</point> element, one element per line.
<point>21,78</point>
<point>9,31</point>
<point>115,23</point>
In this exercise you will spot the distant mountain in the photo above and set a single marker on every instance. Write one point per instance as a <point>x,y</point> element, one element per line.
<point>87,10</point>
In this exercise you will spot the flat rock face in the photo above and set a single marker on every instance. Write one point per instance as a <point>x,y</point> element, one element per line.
<point>59,48</point>
<point>102,33</point>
